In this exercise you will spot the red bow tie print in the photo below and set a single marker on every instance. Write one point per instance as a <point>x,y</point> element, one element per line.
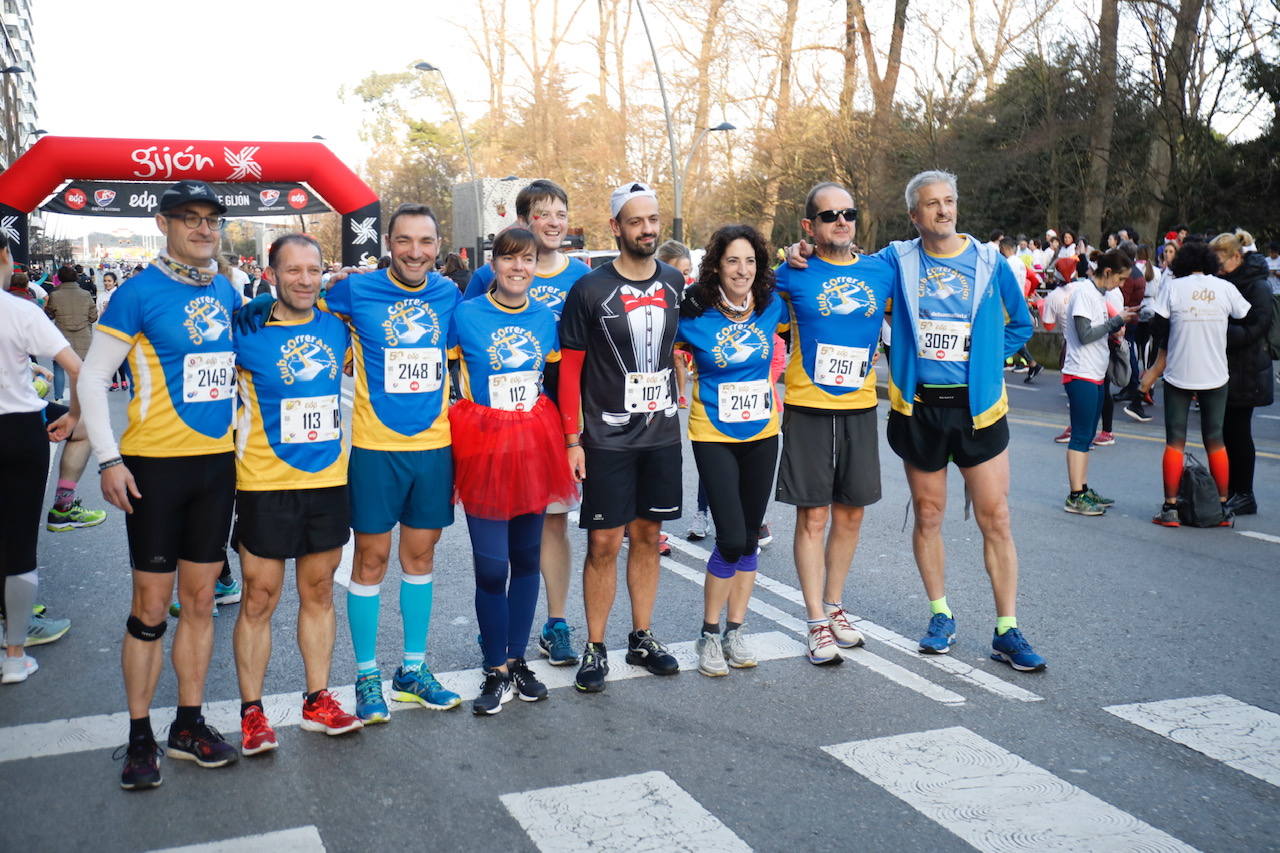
<point>631,303</point>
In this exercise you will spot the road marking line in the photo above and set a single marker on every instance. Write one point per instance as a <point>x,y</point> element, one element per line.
<point>645,811</point>
<point>303,839</point>
<point>994,799</point>
<point>1118,434</point>
<point>947,663</point>
<point>1270,417</point>
<point>1265,537</point>
<point>60,737</point>
<point>890,670</point>
<point>1236,733</point>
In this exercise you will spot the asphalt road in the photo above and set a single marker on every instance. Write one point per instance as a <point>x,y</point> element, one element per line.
<point>890,751</point>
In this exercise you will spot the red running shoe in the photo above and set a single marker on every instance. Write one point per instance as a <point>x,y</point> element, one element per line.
<point>326,715</point>
<point>256,734</point>
<point>664,547</point>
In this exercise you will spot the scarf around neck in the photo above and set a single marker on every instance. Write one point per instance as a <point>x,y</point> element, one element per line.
<point>186,273</point>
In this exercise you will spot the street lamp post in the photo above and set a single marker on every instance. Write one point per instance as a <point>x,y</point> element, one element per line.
<point>678,227</point>
<point>471,164</point>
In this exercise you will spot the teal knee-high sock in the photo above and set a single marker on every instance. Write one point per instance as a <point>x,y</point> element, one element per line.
<point>415,610</point>
<point>363,603</point>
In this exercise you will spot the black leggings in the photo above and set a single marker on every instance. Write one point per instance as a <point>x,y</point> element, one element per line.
<point>1237,435</point>
<point>24,469</point>
<point>739,480</point>
<point>1177,408</point>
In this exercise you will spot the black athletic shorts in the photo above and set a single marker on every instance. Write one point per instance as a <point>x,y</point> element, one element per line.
<point>290,523</point>
<point>935,435</point>
<point>623,485</point>
<point>24,469</point>
<point>184,512</point>
<point>829,458</point>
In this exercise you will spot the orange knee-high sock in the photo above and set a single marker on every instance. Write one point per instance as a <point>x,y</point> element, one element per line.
<point>1220,468</point>
<point>1172,472</point>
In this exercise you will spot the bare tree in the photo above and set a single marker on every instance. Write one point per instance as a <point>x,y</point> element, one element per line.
<point>883,84</point>
<point>1104,115</point>
<point>782,108</point>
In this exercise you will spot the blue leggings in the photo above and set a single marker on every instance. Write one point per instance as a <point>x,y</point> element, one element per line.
<point>1084,399</point>
<point>506,550</point>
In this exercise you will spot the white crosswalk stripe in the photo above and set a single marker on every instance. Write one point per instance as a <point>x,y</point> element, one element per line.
<point>1236,733</point>
<point>951,665</point>
<point>646,811</point>
<point>993,799</point>
<point>100,731</point>
<point>304,839</point>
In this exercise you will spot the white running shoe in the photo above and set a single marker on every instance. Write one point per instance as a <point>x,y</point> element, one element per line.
<point>735,648</point>
<point>710,655</point>
<point>699,526</point>
<point>846,636</point>
<point>17,669</point>
<point>822,647</point>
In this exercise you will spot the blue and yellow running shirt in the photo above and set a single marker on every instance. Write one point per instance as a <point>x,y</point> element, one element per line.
<point>945,291</point>
<point>504,351</point>
<point>733,397</point>
<point>836,313</point>
<point>289,431</point>
<point>183,363</point>
<point>550,290</point>
<point>402,338</point>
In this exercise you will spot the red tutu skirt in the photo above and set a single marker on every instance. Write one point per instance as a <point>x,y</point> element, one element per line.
<point>508,463</point>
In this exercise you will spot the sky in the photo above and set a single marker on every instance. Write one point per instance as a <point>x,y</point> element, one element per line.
<point>264,70</point>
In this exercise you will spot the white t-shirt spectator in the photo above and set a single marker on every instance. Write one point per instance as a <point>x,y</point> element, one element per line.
<point>1088,361</point>
<point>24,331</point>
<point>1019,271</point>
<point>1054,307</point>
<point>240,279</point>
<point>1198,307</point>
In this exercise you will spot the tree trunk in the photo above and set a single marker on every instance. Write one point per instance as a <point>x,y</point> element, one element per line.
<point>1095,189</point>
<point>702,108</point>
<point>773,178</point>
<point>883,87</point>
<point>849,79</point>
<point>1170,113</point>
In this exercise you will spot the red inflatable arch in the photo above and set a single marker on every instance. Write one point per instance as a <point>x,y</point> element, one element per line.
<point>54,159</point>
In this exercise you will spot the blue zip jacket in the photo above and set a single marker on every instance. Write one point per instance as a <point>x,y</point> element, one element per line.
<point>1001,324</point>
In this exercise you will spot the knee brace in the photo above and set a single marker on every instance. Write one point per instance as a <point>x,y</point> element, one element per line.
<point>146,633</point>
<point>718,566</point>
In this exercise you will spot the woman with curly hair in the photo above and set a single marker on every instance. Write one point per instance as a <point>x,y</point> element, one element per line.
<point>727,322</point>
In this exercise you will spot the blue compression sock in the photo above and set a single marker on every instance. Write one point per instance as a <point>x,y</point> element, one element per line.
<point>415,611</point>
<point>363,603</point>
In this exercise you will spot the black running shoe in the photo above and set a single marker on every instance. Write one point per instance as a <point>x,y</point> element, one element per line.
<point>526,684</point>
<point>494,693</point>
<point>201,743</point>
<point>141,764</point>
<point>644,650</point>
<point>593,669</point>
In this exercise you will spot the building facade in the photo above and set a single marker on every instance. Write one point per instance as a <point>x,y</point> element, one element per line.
<point>17,87</point>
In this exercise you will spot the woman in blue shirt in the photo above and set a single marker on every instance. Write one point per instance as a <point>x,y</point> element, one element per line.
<point>727,321</point>
<point>509,460</point>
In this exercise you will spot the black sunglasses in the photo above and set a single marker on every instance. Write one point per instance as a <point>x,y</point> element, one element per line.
<point>829,216</point>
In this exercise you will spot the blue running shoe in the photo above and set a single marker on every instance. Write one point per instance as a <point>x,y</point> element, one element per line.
<point>553,642</point>
<point>371,707</point>
<point>227,593</point>
<point>1012,648</point>
<point>941,635</point>
<point>417,684</point>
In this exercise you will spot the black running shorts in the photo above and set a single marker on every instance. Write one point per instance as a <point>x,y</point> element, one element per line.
<point>829,458</point>
<point>623,485</point>
<point>184,512</point>
<point>935,435</point>
<point>291,523</point>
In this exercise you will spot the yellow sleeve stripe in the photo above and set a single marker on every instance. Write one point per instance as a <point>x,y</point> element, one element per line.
<point>116,333</point>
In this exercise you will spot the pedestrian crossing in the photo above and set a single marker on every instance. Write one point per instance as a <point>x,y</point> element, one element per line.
<point>102,731</point>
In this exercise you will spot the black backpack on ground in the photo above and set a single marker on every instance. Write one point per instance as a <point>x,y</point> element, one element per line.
<point>1198,504</point>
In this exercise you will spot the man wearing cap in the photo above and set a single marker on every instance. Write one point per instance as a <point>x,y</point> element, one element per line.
<point>616,336</point>
<point>173,472</point>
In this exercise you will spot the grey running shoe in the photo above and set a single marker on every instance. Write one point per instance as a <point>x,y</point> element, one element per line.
<point>735,648</point>
<point>1083,505</point>
<point>710,655</point>
<point>17,669</point>
<point>45,629</point>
